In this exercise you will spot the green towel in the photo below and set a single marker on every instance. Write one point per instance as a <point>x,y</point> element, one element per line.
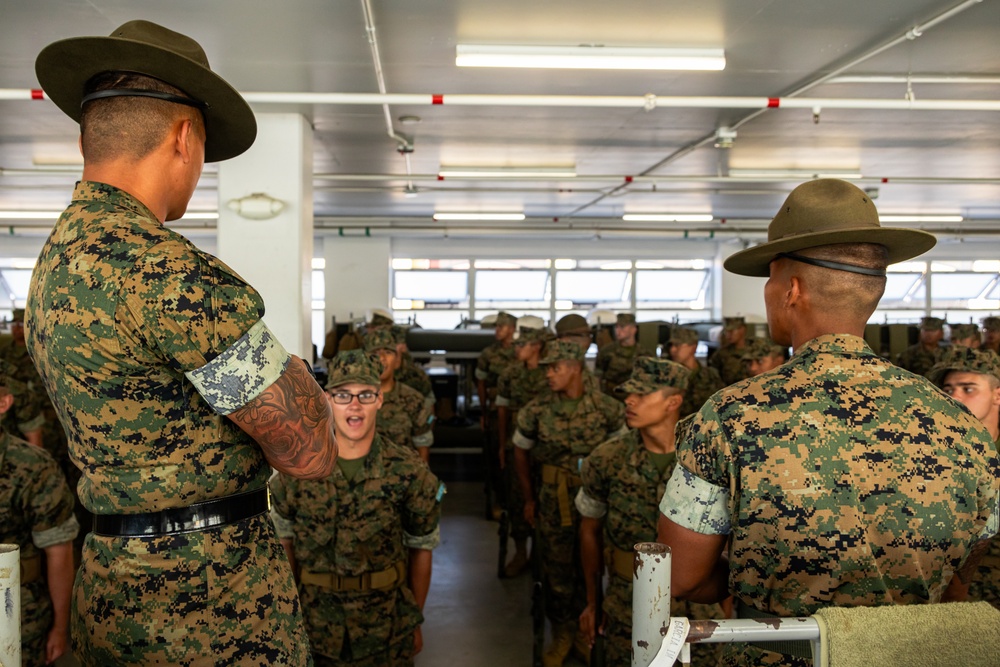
<point>965,634</point>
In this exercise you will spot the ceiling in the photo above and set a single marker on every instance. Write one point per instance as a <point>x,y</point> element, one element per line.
<point>936,161</point>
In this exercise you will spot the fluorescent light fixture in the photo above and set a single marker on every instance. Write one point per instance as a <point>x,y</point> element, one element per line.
<point>407,304</point>
<point>318,263</point>
<point>920,218</point>
<point>589,57</point>
<point>507,172</point>
<point>29,215</point>
<point>668,217</point>
<point>565,263</point>
<point>564,304</point>
<point>479,216</point>
<point>201,215</point>
<point>796,174</point>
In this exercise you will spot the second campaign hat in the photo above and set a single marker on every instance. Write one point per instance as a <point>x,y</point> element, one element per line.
<point>824,212</point>
<point>572,324</point>
<point>353,366</point>
<point>650,374</point>
<point>63,68</point>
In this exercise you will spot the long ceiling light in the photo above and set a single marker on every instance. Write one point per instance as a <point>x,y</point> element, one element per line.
<point>920,218</point>
<point>29,215</point>
<point>589,57</point>
<point>796,174</point>
<point>668,217</point>
<point>507,172</point>
<point>479,216</point>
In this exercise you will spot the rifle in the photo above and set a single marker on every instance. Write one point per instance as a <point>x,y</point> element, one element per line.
<point>537,601</point>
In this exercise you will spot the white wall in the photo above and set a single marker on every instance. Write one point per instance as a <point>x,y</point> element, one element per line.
<point>356,276</point>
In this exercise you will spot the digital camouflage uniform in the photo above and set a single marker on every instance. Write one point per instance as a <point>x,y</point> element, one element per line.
<point>919,360</point>
<point>559,432</point>
<point>728,363</point>
<point>405,417</point>
<point>349,528</point>
<point>614,365</point>
<point>840,479</point>
<point>141,336</point>
<point>412,375</point>
<point>490,365</point>
<point>623,487</point>
<point>517,387</point>
<point>36,511</point>
<point>702,383</point>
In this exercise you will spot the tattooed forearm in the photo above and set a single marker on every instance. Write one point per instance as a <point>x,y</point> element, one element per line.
<point>292,422</point>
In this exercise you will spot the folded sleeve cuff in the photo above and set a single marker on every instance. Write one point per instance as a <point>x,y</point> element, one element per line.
<point>521,441</point>
<point>242,372</point>
<point>502,401</point>
<point>64,532</point>
<point>692,503</point>
<point>427,542</point>
<point>992,526</point>
<point>482,375</point>
<point>424,439</point>
<point>589,507</point>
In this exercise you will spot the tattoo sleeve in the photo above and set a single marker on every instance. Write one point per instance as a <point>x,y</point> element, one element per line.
<point>292,422</point>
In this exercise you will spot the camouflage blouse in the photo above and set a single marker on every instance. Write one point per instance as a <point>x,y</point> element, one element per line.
<point>841,479</point>
<point>122,315</point>
<point>352,527</point>
<point>558,431</point>
<point>405,417</point>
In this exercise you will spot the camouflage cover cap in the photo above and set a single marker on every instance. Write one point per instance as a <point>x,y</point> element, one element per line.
<point>965,359</point>
<point>572,324</point>
<point>624,319</point>
<point>354,366</point>
<point>991,323</point>
<point>823,212</point>
<point>380,339</point>
<point>526,335</point>
<point>959,331</point>
<point>932,323</point>
<point>650,374</point>
<point>562,350</point>
<point>758,348</point>
<point>64,67</point>
<point>398,333</point>
<point>730,323</point>
<point>506,320</point>
<point>17,315</point>
<point>8,381</point>
<point>683,336</point>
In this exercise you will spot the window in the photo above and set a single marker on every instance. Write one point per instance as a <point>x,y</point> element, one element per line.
<point>432,286</point>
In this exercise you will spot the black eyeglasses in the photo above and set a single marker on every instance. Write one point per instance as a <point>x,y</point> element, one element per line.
<point>345,397</point>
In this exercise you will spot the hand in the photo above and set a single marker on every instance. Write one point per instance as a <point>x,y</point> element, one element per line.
<point>56,645</point>
<point>588,624</point>
<point>529,512</point>
<point>418,641</point>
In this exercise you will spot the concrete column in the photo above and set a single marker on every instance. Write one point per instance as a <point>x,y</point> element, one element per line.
<point>274,255</point>
<point>739,295</point>
<point>356,275</point>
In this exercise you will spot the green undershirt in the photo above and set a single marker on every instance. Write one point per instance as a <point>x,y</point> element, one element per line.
<point>662,461</point>
<point>350,467</point>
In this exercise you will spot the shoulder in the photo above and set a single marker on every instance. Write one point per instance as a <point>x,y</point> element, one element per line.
<point>608,403</point>
<point>23,454</point>
<point>615,449</point>
<point>408,394</point>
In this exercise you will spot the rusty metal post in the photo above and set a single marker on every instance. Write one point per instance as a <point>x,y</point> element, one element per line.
<point>10,601</point>
<point>650,600</point>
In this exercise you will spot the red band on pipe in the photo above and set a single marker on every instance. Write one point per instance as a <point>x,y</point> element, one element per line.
<point>628,179</point>
<point>437,99</point>
<point>885,180</point>
<point>37,94</point>
<point>440,177</point>
<point>773,102</point>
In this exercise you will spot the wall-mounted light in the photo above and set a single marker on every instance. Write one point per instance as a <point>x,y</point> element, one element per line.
<point>589,57</point>
<point>479,216</point>
<point>668,217</point>
<point>256,206</point>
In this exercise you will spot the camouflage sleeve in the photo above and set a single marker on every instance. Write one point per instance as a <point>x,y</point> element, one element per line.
<point>697,493</point>
<point>592,501</point>
<point>422,509</point>
<point>47,502</point>
<point>615,417</point>
<point>527,426</point>
<point>33,424</point>
<point>588,507</point>
<point>190,306</point>
<point>503,388</point>
<point>282,508</point>
<point>482,365</point>
<point>992,527</point>
<point>423,435</point>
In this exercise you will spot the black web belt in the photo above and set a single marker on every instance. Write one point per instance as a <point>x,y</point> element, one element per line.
<point>200,516</point>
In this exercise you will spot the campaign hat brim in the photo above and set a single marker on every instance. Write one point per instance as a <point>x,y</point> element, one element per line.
<point>64,67</point>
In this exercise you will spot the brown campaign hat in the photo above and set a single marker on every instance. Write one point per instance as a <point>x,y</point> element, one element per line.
<point>63,68</point>
<point>572,324</point>
<point>824,212</point>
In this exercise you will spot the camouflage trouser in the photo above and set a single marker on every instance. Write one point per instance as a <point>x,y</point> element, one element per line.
<point>36,621</point>
<point>520,529</point>
<point>985,583</point>
<point>565,594</point>
<point>223,596</point>
<point>618,625</point>
<point>491,458</point>
<point>399,654</point>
